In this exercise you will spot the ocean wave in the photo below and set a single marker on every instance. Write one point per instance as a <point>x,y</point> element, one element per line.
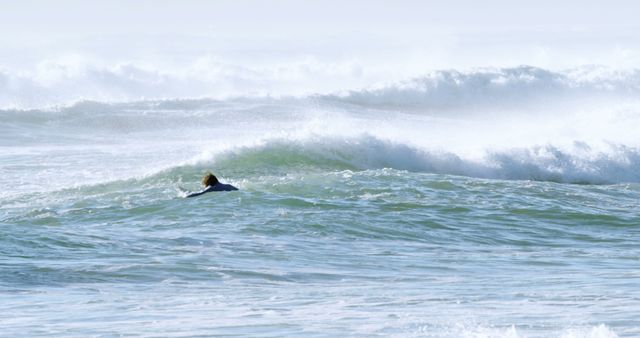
<point>54,84</point>
<point>279,157</point>
<point>498,88</point>
<point>577,164</point>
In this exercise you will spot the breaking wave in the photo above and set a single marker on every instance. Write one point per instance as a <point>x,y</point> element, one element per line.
<point>499,88</point>
<point>61,84</point>
<point>578,164</point>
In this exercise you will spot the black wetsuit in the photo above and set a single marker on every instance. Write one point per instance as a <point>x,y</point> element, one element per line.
<point>216,187</point>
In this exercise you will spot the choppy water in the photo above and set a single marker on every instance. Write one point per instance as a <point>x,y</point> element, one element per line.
<point>375,213</point>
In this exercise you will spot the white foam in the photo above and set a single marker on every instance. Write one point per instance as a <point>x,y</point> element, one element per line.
<point>478,331</point>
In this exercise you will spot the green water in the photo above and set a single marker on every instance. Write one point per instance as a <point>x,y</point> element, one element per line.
<point>375,252</point>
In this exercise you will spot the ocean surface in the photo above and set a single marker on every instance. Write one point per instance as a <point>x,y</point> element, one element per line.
<point>498,202</point>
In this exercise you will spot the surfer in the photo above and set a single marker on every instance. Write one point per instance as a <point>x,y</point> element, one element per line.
<point>211,183</point>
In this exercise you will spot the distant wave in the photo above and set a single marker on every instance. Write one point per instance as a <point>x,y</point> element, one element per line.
<point>54,85</point>
<point>496,88</point>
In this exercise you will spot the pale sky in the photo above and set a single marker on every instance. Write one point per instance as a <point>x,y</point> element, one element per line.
<point>30,19</point>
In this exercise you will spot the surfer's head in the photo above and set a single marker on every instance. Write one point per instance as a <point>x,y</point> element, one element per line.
<point>209,180</point>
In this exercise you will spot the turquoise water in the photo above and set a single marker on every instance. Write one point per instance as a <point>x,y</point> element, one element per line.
<point>351,220</point>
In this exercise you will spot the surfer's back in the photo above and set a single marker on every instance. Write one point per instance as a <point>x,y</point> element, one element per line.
<point>221,187</point>
<point>211,183</point>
